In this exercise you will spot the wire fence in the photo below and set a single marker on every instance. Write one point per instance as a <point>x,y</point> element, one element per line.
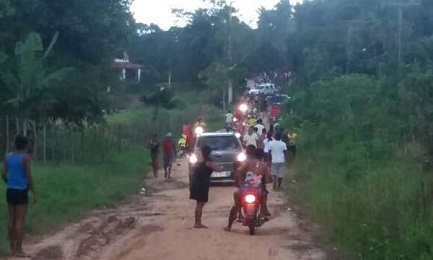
<point>56,142</point>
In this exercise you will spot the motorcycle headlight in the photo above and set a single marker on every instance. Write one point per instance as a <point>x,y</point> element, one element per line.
<point>199,130</point>
<point>243,108</point>
<point>250,198</point>
<point>193,159</point>
<point>241,157</point>
<point>235,119</point>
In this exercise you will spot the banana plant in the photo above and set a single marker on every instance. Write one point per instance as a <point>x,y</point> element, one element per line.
<point>29,81</point>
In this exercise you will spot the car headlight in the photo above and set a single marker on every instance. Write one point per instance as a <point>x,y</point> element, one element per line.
<point>193,159</point>
<point>238,135</point>
<point>199,130</point>
<point>241,157</point>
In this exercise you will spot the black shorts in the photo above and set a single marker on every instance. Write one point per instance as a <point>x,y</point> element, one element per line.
<point>200,194</point>
<point>17,197</point>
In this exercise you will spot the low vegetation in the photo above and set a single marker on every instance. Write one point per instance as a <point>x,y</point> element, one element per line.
<point>68,191</point>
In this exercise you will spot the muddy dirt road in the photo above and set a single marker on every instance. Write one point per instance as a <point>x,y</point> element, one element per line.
<point>157,225</point>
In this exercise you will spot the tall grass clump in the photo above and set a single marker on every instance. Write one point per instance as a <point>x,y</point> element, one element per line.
<point>364,163</point>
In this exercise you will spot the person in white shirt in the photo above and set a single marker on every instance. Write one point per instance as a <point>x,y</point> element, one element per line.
<point>278,151</point>
<point>259,125</point>
<point>251,138</point>
<point>229,117</point>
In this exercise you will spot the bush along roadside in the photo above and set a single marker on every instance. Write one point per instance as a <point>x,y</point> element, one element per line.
<point>363,163</point>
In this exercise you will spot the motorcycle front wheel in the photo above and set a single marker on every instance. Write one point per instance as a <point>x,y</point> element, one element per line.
<point>252,229</point>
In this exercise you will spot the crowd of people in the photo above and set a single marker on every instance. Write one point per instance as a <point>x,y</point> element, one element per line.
<point>268,149</point>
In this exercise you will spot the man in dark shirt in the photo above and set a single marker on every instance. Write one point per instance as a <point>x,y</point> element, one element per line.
<point>153,145</point>
<point>169,148</point>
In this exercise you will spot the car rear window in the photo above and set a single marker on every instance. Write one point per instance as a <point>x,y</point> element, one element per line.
<point>219,143</point>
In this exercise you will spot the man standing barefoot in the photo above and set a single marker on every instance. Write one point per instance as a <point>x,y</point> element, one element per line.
<point>17,174</point>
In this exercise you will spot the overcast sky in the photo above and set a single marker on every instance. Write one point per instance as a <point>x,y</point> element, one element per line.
<point>159,11</point>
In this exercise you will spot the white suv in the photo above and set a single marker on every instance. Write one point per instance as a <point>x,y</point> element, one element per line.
<point>266,88</point>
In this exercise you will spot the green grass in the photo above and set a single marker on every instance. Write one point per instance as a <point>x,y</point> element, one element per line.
<point>68,192</point>
<point>371,210</point>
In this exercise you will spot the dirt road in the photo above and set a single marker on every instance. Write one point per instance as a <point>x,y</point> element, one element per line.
<point>157,225</point>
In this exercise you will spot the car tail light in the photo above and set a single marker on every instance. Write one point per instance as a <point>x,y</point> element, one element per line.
<point>250,198</point>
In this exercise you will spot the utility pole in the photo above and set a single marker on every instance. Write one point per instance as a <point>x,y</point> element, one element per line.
<point>400,5</point>
<point>230,53</point>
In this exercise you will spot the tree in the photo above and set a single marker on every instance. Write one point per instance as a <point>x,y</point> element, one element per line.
<point>30,82</point>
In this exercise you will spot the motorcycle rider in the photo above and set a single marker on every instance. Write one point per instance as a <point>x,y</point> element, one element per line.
<point>229,117</point>
<point>199,123</point>
<point>252,166</point>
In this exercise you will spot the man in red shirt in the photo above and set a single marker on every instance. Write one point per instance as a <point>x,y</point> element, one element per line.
<point>275,111</point>
<point>169,148</point>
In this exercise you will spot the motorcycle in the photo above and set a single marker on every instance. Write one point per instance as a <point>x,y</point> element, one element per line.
<point>251,210</point>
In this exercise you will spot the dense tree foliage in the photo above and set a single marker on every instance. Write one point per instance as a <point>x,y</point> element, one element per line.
<point>87,36</point>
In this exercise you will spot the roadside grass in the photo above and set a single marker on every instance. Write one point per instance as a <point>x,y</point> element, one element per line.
<point>372,211</point>
<point>68,191</point>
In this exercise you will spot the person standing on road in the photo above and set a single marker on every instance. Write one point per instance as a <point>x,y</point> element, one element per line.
<point>279,155</point>
<point>260,126</point>
<point>17,174</point>
<point>169,154</point>
<point>229,117</point>
<point>199,190</point>
<point>251,138</point>
<point>261,142</point>
<point>153,145</point>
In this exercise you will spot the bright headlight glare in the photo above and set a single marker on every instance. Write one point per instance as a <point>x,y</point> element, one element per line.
<point>199,130</point>
<point>243,108</point>
<point>238,135</point>
<point>193,159</point>
<point>250,198</point>
<point>241,157</point>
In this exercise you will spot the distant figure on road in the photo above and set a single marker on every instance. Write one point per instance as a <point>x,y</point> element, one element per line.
<point>251,138</point>
<point>260,126</point>
<point>153,145</point>
<point>278,151</point>
<point>17,174</point>
<point>186,130</point>
<point>169,147</point>
<point>200,183</point>
<point>229,117</point>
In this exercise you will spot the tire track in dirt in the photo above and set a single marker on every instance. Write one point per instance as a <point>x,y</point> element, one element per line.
<point>158,225</point>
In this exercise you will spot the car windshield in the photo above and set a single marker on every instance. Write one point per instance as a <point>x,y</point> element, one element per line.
<point>259,87</point>
<point>218,143</point>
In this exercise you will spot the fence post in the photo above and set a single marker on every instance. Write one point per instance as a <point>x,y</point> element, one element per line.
<point>119,138</point>
<point>7,135</point>
<point>44,132</point>
<point>54,142</point>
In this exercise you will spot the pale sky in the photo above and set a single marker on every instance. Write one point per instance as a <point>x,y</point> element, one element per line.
<point>159,11</point>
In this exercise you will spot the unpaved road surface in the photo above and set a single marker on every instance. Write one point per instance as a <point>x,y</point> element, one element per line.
<point>157,225</point>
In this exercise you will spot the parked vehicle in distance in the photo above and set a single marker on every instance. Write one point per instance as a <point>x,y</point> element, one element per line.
<point>227,152</point>
<point>266,89</point>
<point>277,100</point>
